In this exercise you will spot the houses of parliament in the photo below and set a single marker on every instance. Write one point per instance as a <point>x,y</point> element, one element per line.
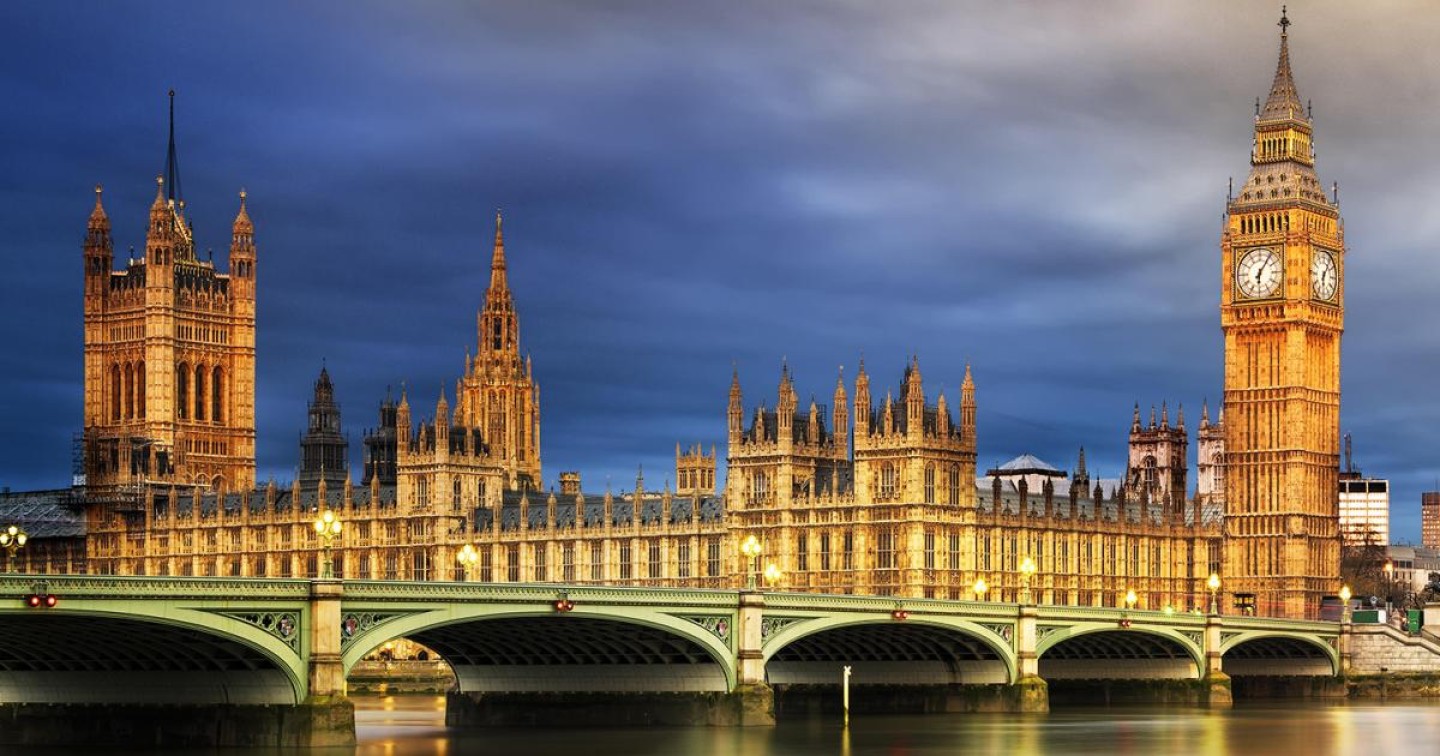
<point>875,493</point>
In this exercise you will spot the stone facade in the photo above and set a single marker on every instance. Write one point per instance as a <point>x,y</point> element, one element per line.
<point>1282,313</point>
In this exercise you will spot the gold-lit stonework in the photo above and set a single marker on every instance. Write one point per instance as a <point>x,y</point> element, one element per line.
<point>1282,311</point>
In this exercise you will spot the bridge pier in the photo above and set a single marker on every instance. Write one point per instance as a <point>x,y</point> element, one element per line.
<point>1216,692</point>
<point>328,714</point>
<point>1030,692</point>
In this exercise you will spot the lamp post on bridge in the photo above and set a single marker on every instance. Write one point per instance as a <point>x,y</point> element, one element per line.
<point>1344,604</point>
<point>12,539</point>
<point>1214,585</point>
<point>1027,571</point>
<point>327,527</point>
<point>751,550</point>
<point>980,587</point>
<point>467,557</point>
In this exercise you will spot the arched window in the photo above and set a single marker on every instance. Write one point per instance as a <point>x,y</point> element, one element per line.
<point>930,484</point>
<point>129,391</point>
<point>955,485</point>
<point>887,482</point>
<point>115,389</point>
<point>199,392</point>
<point>140,389</point>
<point>759,488</point>
<point>456,500</point>
<point>182,390</point>
<point>1149,472</point>
<point>216,393</point>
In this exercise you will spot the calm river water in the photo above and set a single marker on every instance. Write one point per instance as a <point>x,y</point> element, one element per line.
<point>415,726</point>
<point>412,726</point>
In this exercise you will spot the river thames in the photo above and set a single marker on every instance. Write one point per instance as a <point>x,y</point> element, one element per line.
<point>414,725</point>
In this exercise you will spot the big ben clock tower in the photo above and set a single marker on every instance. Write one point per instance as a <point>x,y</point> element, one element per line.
<point>1282,310</point>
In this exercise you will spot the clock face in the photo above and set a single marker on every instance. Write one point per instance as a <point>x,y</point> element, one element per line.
<point>1324,277</point>
<point>1258,274</point>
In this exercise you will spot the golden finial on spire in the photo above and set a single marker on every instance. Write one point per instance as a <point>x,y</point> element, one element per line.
<point>1284,21</point>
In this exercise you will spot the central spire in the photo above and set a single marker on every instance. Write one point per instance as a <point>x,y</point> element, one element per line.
<point>172,163</point>
<point>497,259</point>
<point>1283,102</point>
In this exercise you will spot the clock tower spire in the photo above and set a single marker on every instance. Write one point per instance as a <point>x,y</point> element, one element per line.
<point>1282,313</point>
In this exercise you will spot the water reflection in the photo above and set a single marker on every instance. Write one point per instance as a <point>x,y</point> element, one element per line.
<point>414,726</point>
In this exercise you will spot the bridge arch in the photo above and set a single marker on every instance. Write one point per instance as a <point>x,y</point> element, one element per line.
<point>494,648</point>
<point>152,653</point>
<point>1096,650</point>
<point>921,650</point>
<point>1269,652</point>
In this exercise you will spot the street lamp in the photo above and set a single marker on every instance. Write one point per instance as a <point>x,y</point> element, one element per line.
<point>12,539</point>
<point>980,588</point>
<point>327,526</point>
<point>1027,571</point>
<point>772,575</point>
<point>1130,599</point>
<point>750,547</point>
<point>1214,585</point>
<point>1389,581</point>
<point>1345,603</point>
<point>467,557</point>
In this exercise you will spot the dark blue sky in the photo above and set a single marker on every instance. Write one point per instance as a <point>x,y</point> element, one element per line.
<point>1035,188</point>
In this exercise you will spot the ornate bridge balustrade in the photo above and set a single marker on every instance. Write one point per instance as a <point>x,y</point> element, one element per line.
<point>265,660</point>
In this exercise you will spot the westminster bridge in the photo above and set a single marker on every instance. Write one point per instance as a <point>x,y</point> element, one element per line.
<point>264,661</point>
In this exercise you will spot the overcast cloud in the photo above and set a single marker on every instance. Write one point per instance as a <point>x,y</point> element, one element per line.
<point>1034,188</point>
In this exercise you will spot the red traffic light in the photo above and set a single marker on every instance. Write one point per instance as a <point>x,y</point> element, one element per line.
<point>899,615</point>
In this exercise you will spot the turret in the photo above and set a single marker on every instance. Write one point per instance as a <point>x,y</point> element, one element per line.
<point>99,254</point>
<point>914,398</point>
<point>442,425</point>
<point>736,411</point>
<point>242,255</point>
<point>785,407</point>
<point>841,422</point>
<point>967,407</point>
<point>862,401</point>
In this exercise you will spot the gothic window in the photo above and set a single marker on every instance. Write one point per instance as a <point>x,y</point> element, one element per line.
<point>199,392</point>
<point>140,389</point>
<point>759,488</point>
<point>216,393</point>
<point>455,502</point>
<point>538,554</point>
<point>847,556</point>
<point>656,568</point>
<point>597,561</point>
<point>824,552</point>
<point>496,337</point>
<point>1148,472</point>
<point>625,566</point>
<point>885,549</point>
<point>929,549</point>
<point>567,563</point>
<point>930,484</point>
<point>182,390</point>
<point>512,562</point>
<point>682,559</point>
<point>712,557</point>
<point>115,388</point>
<point>129,391</point>
<point>887,482</point>
<point>802,553</point>
<point>954,485</point>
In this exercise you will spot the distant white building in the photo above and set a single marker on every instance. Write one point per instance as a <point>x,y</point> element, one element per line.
<point>1364,510</point>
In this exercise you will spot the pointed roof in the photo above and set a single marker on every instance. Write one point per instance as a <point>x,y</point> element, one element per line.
<point>99,221</point>
<point>1283,102</point>
<point>172,161</point>
<point>1027,463</point>
<point>242,218</point>
<point>497,258</point>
